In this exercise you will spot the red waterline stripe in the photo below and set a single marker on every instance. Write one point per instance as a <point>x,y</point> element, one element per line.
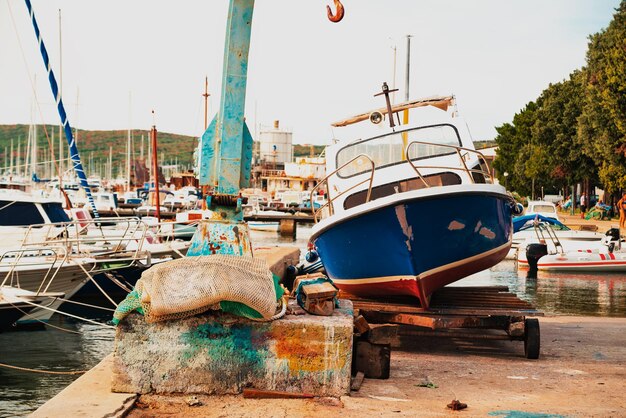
<point>595,263</point>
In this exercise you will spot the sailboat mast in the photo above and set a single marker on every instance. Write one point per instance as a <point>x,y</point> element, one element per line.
<point>33,149</point>
<point>155,165</point>
<point>18,168</point>
<point>110,173</point>
<point>61,153</point>
<point>128,141</point>
<point>11,163</point>
<point>27,156</point>
<point>206,102</point>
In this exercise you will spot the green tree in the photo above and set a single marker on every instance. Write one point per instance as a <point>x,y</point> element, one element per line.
<point>515,149</point>
<point>555,130</point>
<point>602,124</point>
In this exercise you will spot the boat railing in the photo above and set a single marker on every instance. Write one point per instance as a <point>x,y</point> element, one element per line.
<point>545,232</point>
<point>90,237</point>
<point>463,154</point>
<point>13,262</point>
<point>166,231</point>
<point>328,206</point>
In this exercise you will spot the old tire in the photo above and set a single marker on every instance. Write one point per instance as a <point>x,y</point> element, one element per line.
<point>532,339</point>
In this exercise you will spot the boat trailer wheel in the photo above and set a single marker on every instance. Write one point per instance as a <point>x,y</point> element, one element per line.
<point>531,338</point>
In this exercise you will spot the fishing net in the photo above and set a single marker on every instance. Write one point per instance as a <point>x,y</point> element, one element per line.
<point>192,285</point>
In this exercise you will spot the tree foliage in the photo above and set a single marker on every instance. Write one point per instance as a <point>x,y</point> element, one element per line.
<point>575,131</point>
<point>602,126</point>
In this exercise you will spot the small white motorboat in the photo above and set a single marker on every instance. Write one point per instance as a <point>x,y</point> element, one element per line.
<point>610,256</point>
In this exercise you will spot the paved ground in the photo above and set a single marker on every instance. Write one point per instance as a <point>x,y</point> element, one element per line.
<point>581,373</point>
<point>575,221</point>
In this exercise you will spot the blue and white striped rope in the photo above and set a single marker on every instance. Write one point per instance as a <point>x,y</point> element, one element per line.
<point>78,166</point>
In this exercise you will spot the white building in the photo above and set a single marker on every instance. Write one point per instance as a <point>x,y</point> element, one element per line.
<point>275,145</point>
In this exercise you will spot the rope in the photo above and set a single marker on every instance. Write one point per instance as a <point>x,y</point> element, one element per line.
<point>78,166</point>
<point>96,284</point>
<point>45,323</point>
<point>26,369</point>
<point>283,310</point>
<point>70,315</point>
<point>86,304</point>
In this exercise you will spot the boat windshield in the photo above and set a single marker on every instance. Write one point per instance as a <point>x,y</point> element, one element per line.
<point>55,212</point>
<point>19,213</point>
<point>543,208</point>
<point>389,149</point>
<point>530,225</point>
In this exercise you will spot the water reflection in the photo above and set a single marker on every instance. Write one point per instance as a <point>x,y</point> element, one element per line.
<point>600,294</point>
<point>51,349</point>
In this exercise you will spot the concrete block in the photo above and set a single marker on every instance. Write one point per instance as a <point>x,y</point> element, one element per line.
<point>219,354</point>
<point>278,258</point>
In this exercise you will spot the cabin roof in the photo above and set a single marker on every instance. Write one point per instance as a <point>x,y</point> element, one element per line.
<point>440,102</point>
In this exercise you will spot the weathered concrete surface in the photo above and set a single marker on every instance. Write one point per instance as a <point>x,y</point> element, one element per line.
<point>581,373</point>
<point>278,258</point>
<point>222,354</point>
<point>89,396</point>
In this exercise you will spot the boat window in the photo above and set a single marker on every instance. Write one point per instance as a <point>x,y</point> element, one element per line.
<point>19,213</point>
<point>388,149</point>
<point>556,227</point>
<point>543,208</point>
<point>440,179</point>
<point>55,212</point>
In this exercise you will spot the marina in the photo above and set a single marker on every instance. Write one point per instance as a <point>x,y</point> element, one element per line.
<point>575,299</point>
<point>399,263</point>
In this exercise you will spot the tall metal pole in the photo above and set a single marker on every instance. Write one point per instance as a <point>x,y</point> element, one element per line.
<point>206,95</point>
<point>405,114</point>
<point>224,155</point>
<point>128,152</point>
<point>393,84</point>
<point>155,167</point>
<point>407,73</point>
<point>61,156</point>
<point>206,102</point>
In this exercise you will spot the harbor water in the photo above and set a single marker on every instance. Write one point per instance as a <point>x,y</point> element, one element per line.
<point>80,346</point>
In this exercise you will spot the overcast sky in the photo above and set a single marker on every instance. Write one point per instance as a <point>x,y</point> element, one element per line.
<point>121,59</point>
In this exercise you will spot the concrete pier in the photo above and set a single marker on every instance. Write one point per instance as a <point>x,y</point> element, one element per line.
<point>223,354</point>
<point>581,373</point>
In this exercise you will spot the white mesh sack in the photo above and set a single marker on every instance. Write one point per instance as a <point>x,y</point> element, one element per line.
<point>191,285</point>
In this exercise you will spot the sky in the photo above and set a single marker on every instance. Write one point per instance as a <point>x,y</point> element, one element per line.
<point>122,59</point>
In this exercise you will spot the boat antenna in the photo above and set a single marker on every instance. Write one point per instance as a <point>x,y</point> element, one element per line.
<point>386,92</point>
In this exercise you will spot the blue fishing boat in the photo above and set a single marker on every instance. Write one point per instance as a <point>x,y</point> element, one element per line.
<point>410,209</point>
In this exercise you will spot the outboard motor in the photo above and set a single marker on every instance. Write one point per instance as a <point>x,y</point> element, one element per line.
<point>533,253</point>
<point>612,239</point>
<point>517,209</point>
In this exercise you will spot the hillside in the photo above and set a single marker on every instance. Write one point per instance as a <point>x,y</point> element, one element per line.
<point>95,145</point>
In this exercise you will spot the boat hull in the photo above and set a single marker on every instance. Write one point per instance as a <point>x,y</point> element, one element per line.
<point>415,245</point>
<point>583,262</point>
<point>11,312</point>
